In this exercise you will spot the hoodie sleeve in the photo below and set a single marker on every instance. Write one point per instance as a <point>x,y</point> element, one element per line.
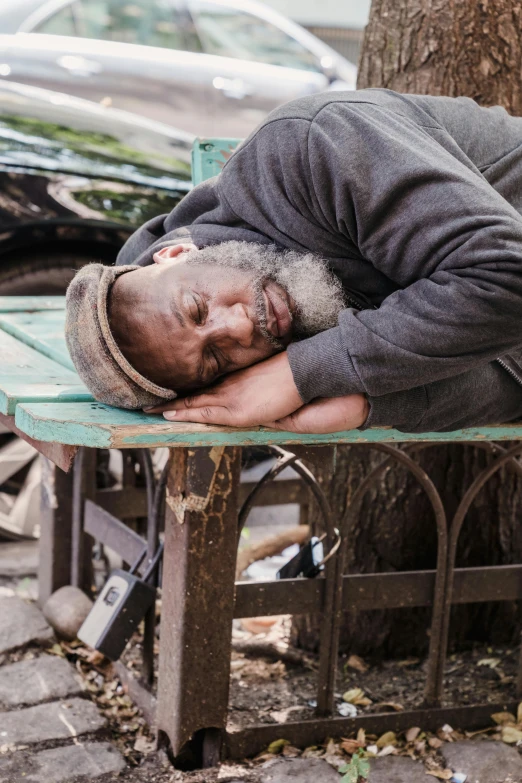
<point>432,224</point>
<point>202,217</point>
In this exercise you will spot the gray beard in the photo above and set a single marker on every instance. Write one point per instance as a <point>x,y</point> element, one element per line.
<point>316,291</point>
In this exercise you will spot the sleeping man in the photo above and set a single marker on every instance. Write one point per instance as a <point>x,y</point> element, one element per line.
<point>357,263</point>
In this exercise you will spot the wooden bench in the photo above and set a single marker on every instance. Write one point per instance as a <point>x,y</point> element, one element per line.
<point>43,401</point>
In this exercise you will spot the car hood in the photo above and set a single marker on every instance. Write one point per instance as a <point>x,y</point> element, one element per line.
<point>51,131</point>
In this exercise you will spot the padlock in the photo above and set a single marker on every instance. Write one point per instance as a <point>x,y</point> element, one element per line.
<point>119,609</point>
<point>310,559</point>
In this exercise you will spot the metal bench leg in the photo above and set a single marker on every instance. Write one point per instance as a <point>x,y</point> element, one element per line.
<point>197,600</point>
<point>54,569</point>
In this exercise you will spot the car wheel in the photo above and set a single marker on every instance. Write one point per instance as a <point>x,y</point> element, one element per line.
<point>32,274</point>
<point>28,274</point>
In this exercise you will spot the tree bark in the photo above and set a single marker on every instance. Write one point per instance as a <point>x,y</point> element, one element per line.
<point>445,47</point>
<point>437,47</point>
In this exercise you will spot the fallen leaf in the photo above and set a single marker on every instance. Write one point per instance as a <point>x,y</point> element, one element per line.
<point>95,657</point>
<point>145,744</point>
<point>350,746</point>
<point>354,662</point>
<point>420,747</point>
<point>491,662</point>
<point>441,774</point>
<point>290,752</point>
<point>372,750</point>
<point>277,746</point>
<point>56,649</point>
<point>387,751</point>
<point>412,734</point>
<point>353,695</point>
<point>392,705</point>
<point>361,737</point>
<point>363,702</point>
<point>389,738</point>
<point>510,735</point>
<point>503,717</point>
<point>435,742</point>
<point>519,713</point>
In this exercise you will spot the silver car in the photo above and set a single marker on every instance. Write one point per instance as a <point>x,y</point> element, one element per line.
<point>210,67</point>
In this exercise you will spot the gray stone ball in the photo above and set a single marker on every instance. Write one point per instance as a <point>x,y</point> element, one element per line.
<point>66,609</point>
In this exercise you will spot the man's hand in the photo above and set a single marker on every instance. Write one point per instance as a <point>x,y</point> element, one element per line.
<point>334,414</point>
<point>246,398</point>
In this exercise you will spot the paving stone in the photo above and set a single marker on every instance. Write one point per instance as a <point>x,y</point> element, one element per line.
<point>484,761</point>
<point>21,623</point>
<point>19,558</point>
<point>299,771</point>
<point>61,765</point>
<point>57,720</point>
<point>43,679</point>
<point>396,769</point>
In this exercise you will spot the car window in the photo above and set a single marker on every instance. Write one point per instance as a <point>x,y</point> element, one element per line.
<point>228,32</point>
<point>157,23</point>
<point>61,23</point>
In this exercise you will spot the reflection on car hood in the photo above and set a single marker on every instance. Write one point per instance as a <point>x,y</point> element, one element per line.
<point>40,129</point>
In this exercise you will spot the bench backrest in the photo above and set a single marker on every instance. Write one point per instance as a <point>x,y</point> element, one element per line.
<point>209,156</point>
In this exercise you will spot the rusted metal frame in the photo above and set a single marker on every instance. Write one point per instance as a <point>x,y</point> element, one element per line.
<point>156,511</point>
<point>363,592</point>
<point>84,488</point>
<point>329,625</point>
<point>54,562</point>
<point>197,599</point>
<point>59,453</point>
<point>434,681</point>
<point>138,693</point>
<point>253,739</point>
<point>284,460</point>
<point>331,607</point>
<point>456,527</point>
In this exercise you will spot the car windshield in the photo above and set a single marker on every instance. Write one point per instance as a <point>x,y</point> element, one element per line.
<point>228,32</point>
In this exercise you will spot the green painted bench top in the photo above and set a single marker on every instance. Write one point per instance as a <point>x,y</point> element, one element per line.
<point>51,404</point>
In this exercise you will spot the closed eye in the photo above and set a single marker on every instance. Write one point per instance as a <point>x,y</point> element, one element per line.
<point>198,309</point>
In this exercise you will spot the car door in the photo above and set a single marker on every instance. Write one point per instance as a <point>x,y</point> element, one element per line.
<point>131,55</point>
<point>254,65</point>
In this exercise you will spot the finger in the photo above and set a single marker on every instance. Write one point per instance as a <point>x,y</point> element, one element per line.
<point>183,403</point>
<point>207,414</point>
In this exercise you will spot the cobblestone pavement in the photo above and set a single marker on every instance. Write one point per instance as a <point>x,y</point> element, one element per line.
<point>51,731</point>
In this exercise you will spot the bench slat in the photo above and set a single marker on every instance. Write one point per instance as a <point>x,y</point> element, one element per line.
<point>96,425</point>
<point>13,304</point>
<point>43,331</point>
<point>209,156</point>
<point>29,376</point>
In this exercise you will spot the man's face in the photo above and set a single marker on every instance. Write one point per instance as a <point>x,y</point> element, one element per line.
<point>184,325</point>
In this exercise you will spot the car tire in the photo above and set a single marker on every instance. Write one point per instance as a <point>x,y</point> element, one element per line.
<point>47,274</point>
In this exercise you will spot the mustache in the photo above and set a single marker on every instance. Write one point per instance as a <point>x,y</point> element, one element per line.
<point>260,311</point>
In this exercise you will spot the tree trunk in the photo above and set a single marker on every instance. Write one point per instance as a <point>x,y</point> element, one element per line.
<point>436,47</point>
<point>445,47</point>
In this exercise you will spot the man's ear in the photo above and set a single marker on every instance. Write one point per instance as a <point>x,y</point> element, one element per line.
<point>171,253</point>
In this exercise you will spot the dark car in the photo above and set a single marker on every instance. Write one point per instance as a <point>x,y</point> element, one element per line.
<point>76,179</point>
<point>211,67</point>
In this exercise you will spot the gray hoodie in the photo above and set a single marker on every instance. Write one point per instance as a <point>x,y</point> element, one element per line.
<point>416,203</point>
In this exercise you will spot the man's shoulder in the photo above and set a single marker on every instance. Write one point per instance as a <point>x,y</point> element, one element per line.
<point>312,108</point>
